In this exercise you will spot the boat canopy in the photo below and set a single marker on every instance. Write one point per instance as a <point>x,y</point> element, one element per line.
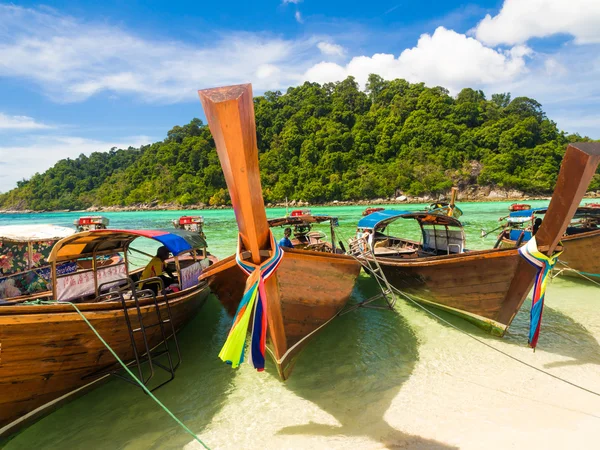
<point>301,220</point>
<point>373,220</point>
<point>33,233</point>
<point>381,219</point>
<point>527,212</point>
<point>582,211</point>
<point>87,243</point>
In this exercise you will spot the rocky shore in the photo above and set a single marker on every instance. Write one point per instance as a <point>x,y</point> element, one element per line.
<point>469,194</point>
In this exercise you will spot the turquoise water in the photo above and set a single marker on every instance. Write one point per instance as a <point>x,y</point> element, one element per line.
<point>221,228</point>
<point>372,379</point>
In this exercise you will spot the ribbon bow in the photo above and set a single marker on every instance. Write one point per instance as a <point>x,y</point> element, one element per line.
<point>253,305</point>
<point>543,265</point>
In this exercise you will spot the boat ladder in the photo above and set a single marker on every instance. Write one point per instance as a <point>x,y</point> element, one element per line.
<point>361,251</point>
<point>161,325</point>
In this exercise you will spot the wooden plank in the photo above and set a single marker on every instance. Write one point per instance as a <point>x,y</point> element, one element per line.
<point>230,114</point>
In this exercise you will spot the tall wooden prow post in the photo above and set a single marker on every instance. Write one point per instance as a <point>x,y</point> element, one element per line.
<point>230,114</point>
<point>576,171</point>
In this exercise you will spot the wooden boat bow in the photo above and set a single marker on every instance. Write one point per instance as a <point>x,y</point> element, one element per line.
<point>300,300</point>
<point>576,171</point>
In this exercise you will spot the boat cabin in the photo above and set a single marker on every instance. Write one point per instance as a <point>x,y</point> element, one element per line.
<point>88,223</point>
<point>519,224</point>
<point>24,267</point>
<point>86,265</point>
<point>440,234</point>
<point>304,237</point>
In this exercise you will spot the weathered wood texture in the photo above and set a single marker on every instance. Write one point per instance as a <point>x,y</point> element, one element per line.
<point>47,351</point>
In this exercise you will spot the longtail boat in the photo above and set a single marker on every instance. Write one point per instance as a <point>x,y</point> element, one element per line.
<point>519,207</point>
<point>48,351</point>
<point>190,223</point>
<point>305,289</point>
<point>581,242</point>
<point>305,236</point>
<point>87,223</point>
<point>487,287</point>
<point>447,208</point>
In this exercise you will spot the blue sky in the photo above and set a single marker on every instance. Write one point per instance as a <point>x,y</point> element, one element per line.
<point>77,77</point>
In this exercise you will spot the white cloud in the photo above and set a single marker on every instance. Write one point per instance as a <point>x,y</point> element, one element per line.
<point>520,20</point>
<point>20,123</point>
<point>72,60</point>
<point>330,49</point>
<point>445,58</point>
<point>295,2</point>
<point>23,159</point>
<point>298,17</point>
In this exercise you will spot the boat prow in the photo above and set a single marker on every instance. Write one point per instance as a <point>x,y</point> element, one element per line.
<point>307,289</point>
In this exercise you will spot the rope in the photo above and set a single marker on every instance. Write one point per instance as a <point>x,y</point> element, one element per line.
<point>578,272</point>
<point>252,311</point>
<point>142,385</point>
<point>408,297</point>
<point>543,265</point>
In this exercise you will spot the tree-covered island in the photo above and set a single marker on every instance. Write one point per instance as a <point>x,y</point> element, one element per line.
<point>321,143</point>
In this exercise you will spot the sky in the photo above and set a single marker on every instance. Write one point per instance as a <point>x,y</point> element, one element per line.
<point>84,76</point>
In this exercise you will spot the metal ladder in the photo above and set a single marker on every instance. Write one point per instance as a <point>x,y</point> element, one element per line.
<point>148,354</point>
<point>361,251</point>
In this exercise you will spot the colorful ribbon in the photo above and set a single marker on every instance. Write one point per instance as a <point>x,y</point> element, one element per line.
<point>543,265</point>
<point>253,305</point>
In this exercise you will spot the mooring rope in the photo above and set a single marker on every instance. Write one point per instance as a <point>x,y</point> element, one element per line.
<point>581,274</point>
<point>466,333</point>
<point>142,385</point>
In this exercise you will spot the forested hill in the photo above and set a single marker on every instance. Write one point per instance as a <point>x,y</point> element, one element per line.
<point>330,142</point>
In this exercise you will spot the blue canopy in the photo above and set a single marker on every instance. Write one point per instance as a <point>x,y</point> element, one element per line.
<point>527,212</point>
<point>87,242</point>
<point>372,220</point>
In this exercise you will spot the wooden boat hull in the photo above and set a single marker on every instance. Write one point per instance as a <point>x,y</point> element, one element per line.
<point>473,285</point>
<point>581,252</point>
<point>313,289</point>
<point>48,351</point>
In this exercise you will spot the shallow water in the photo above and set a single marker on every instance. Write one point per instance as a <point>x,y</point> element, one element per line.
<point>372,379</point>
